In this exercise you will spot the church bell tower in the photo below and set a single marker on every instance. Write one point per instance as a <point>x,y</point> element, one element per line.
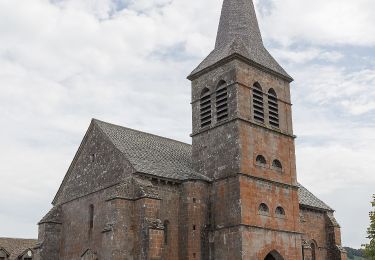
<point>243,140</point>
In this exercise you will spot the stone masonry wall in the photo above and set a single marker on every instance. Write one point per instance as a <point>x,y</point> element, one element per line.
<point>313,225</point>
<point>97,165</point>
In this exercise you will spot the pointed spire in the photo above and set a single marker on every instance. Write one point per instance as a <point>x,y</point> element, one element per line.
<point>239,34</point>
<point>238,21</point>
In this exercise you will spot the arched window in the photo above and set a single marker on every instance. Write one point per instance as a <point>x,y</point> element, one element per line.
<point>277,164</point>
<point>280,211</point>
<point>258,103</point>
<point>261,160</point>
<point>313,251</point>
<point>273,108</point>
<point>205,108</point>
<point>166,232</point>
<point>263,209</point>
<point>222,101</point>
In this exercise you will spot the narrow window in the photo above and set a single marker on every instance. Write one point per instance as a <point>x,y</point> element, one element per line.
<point>263,209</point>
<point>194,227</point>
<point>313,253</point>
<point>258,103</point>
<point>277,164</point>
<point>273,108</point>
<point>93,157</point>
<point>91,216</point>
<point>303,252</point>
<point>222,101</point>
<point>280,211</point>
<point>205,108</point>
<point>261,160</point>
<point>166,230</point>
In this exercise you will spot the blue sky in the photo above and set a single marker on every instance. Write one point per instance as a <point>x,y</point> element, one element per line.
<point>64,62</point>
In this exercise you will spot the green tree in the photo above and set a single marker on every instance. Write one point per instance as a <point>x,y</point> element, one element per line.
<point>370,247</point>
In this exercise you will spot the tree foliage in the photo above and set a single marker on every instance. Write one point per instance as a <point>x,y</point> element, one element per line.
<point>370,247</point>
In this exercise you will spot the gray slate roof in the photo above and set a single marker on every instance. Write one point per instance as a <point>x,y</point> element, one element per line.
<point>306,198</point>
<point>239,33</point>
<point>167,158</point>
<point>53,216</point>
<point>152,154</point>
<point>16,246</point>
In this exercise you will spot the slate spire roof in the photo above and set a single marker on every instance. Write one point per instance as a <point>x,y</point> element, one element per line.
<point>239,34</point>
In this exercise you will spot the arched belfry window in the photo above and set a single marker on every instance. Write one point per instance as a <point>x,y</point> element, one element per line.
<point>273,108</point>
<point>261,160</point>
<point>205,108</point>
<point>263,209</point>
<point>258,104</point>
<point>222,101</point>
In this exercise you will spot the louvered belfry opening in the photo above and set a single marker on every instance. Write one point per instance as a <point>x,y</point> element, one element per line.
<point>222,101</point>
<point>258,104</point>
<point>205,108</point>
<point>273,108</point>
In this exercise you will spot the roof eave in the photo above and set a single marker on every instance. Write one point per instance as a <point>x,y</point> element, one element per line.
<point>179,181</point>
<point>316,208</point>
<point>195,74</point>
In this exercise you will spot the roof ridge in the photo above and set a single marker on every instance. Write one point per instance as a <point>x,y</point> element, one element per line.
<point>141,132</point>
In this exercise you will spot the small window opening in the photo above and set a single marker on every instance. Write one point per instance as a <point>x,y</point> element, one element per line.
<point>222,101</point>
<point>194,255</point>
<point>273,108</point>
<point>93,157</point>
<point>280,211</point>
<point>194,200</point>
<point>277,164</point>
<point>258,104</point>
<point>205,108</point>
<point>194,227</point>
<point>263,209</point>
<point>313,251</point>
<point>261,160</point>
<point>166,232</point>
<point>91,216</point>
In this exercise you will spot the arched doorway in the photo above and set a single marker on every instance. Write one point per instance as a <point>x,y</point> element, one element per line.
<point>269,257</point>
<point>273,255</point>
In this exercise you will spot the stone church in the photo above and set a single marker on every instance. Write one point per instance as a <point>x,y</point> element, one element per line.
<point>232,194</point>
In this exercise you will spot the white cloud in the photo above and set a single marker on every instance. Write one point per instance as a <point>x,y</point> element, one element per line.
<point>306,55</point>
<point>320,21</point>
<point>328,85</point>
